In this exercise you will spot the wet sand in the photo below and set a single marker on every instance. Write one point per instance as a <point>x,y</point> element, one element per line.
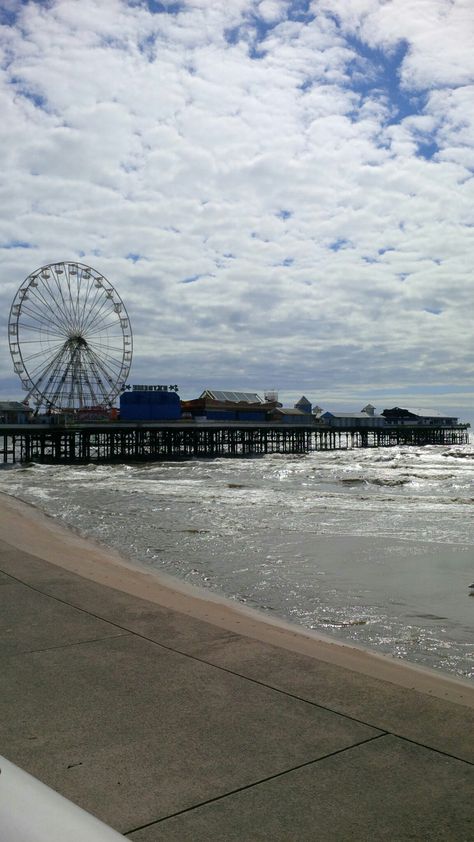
<point>28,529</point>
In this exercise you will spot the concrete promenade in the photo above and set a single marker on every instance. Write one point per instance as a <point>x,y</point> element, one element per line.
<point>170,728</point>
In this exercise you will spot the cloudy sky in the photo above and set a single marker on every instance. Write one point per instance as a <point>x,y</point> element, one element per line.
<point>281,191</point>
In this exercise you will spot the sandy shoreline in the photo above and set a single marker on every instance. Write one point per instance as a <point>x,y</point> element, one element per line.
<point>27,528</point>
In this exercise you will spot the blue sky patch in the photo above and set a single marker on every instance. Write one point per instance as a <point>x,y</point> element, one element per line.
<point>38,100</point>
<point>375,73</point>
<point>192,279</point>
<point>300,10</point>
<point>17,244</point>
<point>164,8</point>
<point>133,257</point>
<point>8,16</point>
<point>262,27</point>
<point>339,244</point>
<point>147,46</point>
<point>254,31</point>
<point>232,35</point>
<point>427,149</point>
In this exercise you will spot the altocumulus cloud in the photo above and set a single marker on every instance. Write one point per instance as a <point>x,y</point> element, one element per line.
<point>280,190</point>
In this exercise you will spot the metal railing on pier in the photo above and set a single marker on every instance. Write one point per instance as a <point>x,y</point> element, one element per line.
<point>153,442</point>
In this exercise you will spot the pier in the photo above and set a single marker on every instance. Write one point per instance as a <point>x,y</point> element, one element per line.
<point>118,442</point>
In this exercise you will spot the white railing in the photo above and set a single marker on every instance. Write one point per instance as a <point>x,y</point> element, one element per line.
<point>32,812</point>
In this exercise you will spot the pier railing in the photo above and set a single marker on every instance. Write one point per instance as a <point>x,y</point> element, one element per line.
<point>84,443</point>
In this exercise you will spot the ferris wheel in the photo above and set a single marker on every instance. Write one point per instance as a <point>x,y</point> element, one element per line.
<point>70,337</point>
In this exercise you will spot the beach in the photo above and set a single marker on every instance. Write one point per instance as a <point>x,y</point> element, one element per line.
<point>28,529</point>
<point>371,548</point>
<point>172,714</point>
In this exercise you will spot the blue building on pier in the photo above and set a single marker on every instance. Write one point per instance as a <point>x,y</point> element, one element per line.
<point>150,405</point>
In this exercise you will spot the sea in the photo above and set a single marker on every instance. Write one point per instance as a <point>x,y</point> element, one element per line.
<point>374,547</point>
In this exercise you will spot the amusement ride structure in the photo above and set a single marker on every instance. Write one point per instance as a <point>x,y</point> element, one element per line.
<point>70,338</point>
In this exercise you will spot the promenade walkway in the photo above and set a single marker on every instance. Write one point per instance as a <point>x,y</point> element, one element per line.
<point>170,728</point>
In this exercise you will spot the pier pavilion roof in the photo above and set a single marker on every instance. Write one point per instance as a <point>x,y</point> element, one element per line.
<point>13,406</point>
<point>428,413</point>
<point>231,397</point>
<point>415,413</point>
<point>349,414</point>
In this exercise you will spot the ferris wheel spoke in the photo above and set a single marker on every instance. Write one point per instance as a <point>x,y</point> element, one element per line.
<point>41,320</point>
<point>110,363</point>
<point>109,353</point>
<point>70,307</point>
<point>49,372</point>
<point>94,304</point>
<point>92,390</point>
<point>114,364</point>
<point>109,370</point>
<point>65,308</point>
<point>98,373</point>
<point>102,368</point>
<point>104,326</point>
<point>39,323</point>
<point>81,297</point>
<point>46,345</point>
<point>60,311</point>
<point>67,297</point>
<point>52,311</point>
<point>45,358</point>
<point>42,307</point>
<point>35,336</point>
<point>72,299</point>
<point>107,308</point>
<point>105,354</point>
<point>101,311</point>
<point>34,365</point>
<point>99,363</point>
<point>91,298</point>
<point>76,378</point>
<point>95,399</point>
<point>62,377</point>
<point>89,303</point>
<point>74,287</point>
<point>104,321</point>
<point>41,358</point>
<point>40,368</point>
<point>56,390</point>
<point>86,280</point>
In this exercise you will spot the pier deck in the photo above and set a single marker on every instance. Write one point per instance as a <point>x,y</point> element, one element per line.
<point>120,442</point>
